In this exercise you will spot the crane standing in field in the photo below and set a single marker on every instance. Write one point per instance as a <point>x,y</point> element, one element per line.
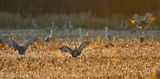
<point>83,36</point>
<point>53,27</point>
<point>50,37</point>
<point>70,26</point>
<point>64,26</point>
<point>34,24</point>
<point>108,35</point>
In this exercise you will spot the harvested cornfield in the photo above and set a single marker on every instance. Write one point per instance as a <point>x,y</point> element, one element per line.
<point>117,59</point>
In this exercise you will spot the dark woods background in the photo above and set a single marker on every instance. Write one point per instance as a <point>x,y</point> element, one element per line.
<point>17,14</point>
<point>99,8</point>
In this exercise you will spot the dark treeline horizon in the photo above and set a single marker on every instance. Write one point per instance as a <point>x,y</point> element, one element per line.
<point>98,8</point>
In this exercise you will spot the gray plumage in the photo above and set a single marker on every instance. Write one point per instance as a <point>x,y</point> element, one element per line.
<point>121,26</point>
<point>77,51</point>
<point>53,26</point>
<point>126,26</point>
<point>21,49</point>
<point>50,37</point>
<point>70,26</point>
<point>34,24</point>
<point>142,23</point>
<point>64,26</point>
<point>80,33</point>
<point>108,35</point>
<point>82,36</point>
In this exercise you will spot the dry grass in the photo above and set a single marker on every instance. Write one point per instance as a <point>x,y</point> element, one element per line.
<point>123,59</point>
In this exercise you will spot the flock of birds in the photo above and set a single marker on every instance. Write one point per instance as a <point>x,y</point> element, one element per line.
<point>141,22</point>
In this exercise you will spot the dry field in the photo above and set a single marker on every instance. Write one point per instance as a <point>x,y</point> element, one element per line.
<point>117,59</point>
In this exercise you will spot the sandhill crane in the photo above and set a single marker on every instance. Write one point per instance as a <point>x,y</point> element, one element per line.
<point>34,24</point>
<point>77,51</point>
<point>53,27</point>
<point>108,36</point>
<point>70,26</point>
<point>21,49</point>
<point>121,25</point>
<point>64,26</point>
<point>126,25</point>
<point>142,23</point>
<point>82,36</point>
<point>48,38</point>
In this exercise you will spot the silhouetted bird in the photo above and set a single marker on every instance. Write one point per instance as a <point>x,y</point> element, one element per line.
<point>121,26</point>
<point>108,35</point>
<point>21,49</point>
<point>142,23</point>
<point>70,26</point>
<point>50,37</point>
<point>83,36</point>
<point>126,25</point>
<point>1,41</point>
<point>80,33</point>
<point>77,51</point>
<point>53,27</point>
<point>34,24</point>
<point>64,26</point>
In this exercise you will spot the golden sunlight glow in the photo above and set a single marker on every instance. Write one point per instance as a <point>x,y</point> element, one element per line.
<point>87,34</point>
<point>133,21</point>
<point>140,27</point>
<point>152,19</point>
<point>3,45</point>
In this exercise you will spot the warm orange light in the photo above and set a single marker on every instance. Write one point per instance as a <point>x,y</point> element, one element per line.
<point>87,34</point>
<point>133,21</point>
<point>152,19</point>
<point>140,27</point>
<point>4,45</point>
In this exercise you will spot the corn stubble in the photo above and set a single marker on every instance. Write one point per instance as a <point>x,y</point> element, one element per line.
<point>120,59</point>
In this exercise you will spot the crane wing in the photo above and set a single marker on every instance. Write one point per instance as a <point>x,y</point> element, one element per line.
<point>147,18</point>
<point>83,45</point>
<point>137,19</point>
<point>66,49</point>
<point>12,43</point>
<point>30,41</point>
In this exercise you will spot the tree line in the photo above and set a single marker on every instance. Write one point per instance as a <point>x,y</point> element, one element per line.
<point>98,8</point>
